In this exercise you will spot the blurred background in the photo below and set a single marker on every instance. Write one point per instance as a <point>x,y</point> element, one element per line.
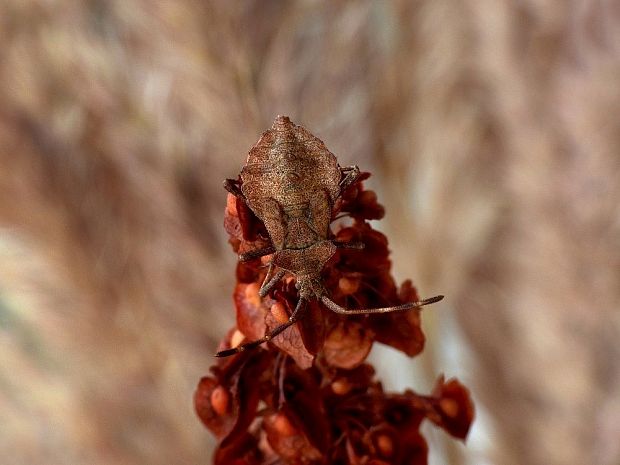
<point>491,128</point>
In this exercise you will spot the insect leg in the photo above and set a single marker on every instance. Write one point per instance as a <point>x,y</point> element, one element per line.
<point>334,307</point>
<point>350,173</point>
<point>349,245</point>
<point>232,186</point>
<point>269,281</point>
<point>267,337</point>
<point>252,254</point>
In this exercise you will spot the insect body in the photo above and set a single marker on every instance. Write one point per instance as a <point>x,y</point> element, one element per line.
<point>291,182</point>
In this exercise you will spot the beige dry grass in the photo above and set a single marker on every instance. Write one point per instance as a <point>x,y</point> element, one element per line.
<point>492,130</point>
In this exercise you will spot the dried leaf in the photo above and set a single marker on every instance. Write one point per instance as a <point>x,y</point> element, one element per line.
<point>372,260</point>
<point>312,328</point>
<point>220,423</point>
<point>238,377</point>
<point>304,401</point>
<point>347,345</point>
<point>251,310</point>
<point>454,406</point>
<point>243,450</point>
<point>290,342</point>
<point>289,441</point>
<point>399,330</point>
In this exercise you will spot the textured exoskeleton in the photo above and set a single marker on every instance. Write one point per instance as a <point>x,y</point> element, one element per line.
<point>291,182</point>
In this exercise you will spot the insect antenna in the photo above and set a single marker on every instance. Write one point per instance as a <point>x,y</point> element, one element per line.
<point>299,308</point>
<point>334,307</point>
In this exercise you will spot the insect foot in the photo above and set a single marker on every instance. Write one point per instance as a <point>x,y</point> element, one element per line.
<point>315,293</point>
<point>294,187</point>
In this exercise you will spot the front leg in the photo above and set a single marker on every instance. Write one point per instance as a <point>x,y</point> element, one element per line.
<point>350,175</point>
<point>233,186</point>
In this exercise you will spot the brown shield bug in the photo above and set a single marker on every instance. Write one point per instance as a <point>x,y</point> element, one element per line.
<point>291,182</point>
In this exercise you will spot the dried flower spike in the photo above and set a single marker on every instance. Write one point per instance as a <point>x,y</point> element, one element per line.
<point>308,397</point>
